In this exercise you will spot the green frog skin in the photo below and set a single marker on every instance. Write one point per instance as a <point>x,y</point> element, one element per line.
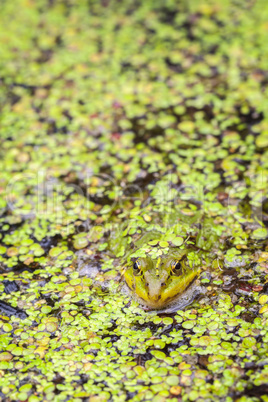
<point>161,264</point>
<point>158,282</point>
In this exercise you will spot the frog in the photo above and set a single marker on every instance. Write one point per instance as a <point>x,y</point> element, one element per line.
<point>161,267</point>
<point>157,273</point>
<point>158,282</point>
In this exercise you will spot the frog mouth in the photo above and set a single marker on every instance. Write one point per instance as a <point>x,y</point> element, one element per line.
<point>158,304</point>
<point>150,304</point>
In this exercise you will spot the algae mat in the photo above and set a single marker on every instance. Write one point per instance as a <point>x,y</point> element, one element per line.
<point>123,113</point>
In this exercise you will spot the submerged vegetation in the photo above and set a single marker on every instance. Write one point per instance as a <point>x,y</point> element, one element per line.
<point>117,119</point>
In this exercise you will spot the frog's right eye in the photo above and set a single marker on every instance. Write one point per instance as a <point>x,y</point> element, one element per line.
<point>136,266</point>
<point>176,267</point>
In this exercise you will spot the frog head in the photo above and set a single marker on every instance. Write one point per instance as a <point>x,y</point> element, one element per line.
<point>158,281</point>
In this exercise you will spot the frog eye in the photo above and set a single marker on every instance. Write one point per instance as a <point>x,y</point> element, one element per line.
<point>136,266</point>
<point>176,266</point>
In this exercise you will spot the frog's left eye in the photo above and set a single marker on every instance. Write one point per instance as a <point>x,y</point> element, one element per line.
<point>136,266</point>
<point>176,266</point>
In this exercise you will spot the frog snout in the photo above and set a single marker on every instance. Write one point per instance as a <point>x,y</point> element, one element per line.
<point>154,291</point>
<point>155,298</point>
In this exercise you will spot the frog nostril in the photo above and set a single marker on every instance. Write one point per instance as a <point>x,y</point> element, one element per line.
<point>162,283</point>
<point>147,284</point>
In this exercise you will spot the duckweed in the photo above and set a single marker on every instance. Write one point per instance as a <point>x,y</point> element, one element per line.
<point>119,119</point>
